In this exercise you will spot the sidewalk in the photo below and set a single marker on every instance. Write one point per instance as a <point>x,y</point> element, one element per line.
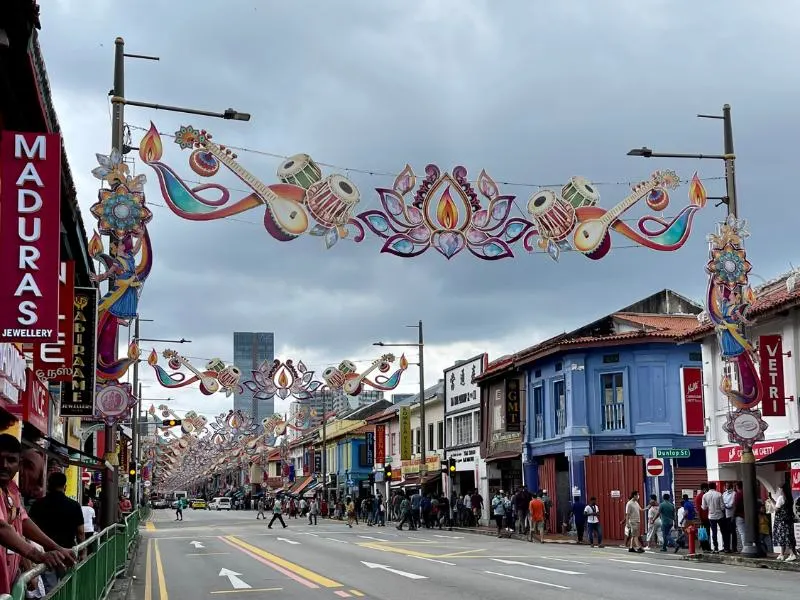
<point>743,561</point>
<point>552,538</point>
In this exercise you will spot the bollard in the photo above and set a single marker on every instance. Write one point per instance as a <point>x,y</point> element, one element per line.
<point>691,530</point>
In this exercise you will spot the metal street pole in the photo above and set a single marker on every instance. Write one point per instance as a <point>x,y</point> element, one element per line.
<point>324,445</point>
<point>423,429</point>
<point>110,482</point>
<point>137,390</point>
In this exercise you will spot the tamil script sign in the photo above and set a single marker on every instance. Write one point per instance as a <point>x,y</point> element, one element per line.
<point>30,236</point>
<point>78,397</point>
<point>405,433</point>
<point>53,362</point>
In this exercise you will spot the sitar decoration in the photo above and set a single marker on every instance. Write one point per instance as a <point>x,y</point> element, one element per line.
<point>444,212</point>
<point>122,215</point>
<point>728,299</point>
<point>214,378</point>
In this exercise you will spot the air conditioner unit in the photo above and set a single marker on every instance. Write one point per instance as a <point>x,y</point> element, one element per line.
<point>791,283</point>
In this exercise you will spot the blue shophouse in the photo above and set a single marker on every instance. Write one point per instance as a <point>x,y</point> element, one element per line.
<point>601,398</point>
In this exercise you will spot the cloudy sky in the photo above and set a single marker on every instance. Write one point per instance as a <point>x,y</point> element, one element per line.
<point>532,91</point>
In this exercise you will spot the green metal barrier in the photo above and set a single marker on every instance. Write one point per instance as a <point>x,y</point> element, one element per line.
<point>92,579</point>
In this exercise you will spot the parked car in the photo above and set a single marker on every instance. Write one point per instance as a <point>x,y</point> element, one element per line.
<point>220,504</point>
<point>199,503</point>
<point>160,503</point>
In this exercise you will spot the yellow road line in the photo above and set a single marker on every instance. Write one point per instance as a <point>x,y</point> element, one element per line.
<point>452,554</point>
<point>356,593</point>
<point>148,572</point>
<point>162,582</point>
<point>246,591</point>
<point>150,526</point>
<point>289,566</point>
<point>403,551</point>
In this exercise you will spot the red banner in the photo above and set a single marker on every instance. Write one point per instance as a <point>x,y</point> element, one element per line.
<point>795,477</point>
<point>733,454</point>
<point>30,236</point>
<point>35,406</point>
<point>53,362</point>
<point>770,358</point>
<point>692,391</point>
<point>380,444</point>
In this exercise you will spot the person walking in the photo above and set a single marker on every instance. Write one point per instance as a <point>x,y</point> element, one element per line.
<point>702,514</point>
<point>277,513</point>
<point>579,517</point>
<point>262,505</point>
<point>592,512</point>
<point>405,515</point>
<point>179,510</point>
<point>536,509</point>
<point>666,512</point>
<point>783,526</point>
<point>313,511</point>
<point>633,522</point>
<point>351,512</point>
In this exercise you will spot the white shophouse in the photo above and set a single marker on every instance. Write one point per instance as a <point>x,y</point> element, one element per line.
<point>776,312</point>
<point>462,410</point>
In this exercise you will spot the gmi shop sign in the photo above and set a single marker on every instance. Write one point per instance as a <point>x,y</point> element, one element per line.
<point>30,234</point>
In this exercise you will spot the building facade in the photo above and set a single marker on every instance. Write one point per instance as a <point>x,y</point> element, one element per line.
<point>341,402</point>
<point>250,349</point>
<point>775,312</point>
<point>462,414</point>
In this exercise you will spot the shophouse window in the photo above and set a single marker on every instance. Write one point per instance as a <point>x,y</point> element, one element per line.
<point>613,401</point>
<point>538,412</point>
<point>463,427</point>
<point>560,406</point>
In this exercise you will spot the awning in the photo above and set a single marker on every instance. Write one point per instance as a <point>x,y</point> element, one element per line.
<point>300,485</point>
<point>504,456</point>
<point>788,453</point>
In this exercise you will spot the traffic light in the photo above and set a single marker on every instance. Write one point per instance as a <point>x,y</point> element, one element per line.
<point>451,465</point>
<point>171,422</point>
<point>387,472</point>
<point>132,473</point>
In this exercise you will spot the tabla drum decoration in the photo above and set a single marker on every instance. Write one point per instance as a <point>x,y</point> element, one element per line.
<point>579,192</point>
<point>554,218</point>
<point>299,170</point>
<point>332,200</point>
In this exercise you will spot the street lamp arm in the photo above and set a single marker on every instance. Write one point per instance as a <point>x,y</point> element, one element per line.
<point>381,344</point>
<point>646,152</point>
<point>180,341</point>
<point>228,114</point>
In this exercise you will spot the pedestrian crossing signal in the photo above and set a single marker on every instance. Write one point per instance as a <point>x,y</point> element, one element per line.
<point>171,422</point>
<point>387,472</point>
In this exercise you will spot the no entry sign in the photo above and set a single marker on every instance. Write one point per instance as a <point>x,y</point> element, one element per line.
<point>655,467</point>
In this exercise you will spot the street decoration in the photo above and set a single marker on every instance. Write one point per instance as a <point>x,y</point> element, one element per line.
<point>444,212</point>
<point>281,378</point>
<point>122,215</point>
<point>728,299</point>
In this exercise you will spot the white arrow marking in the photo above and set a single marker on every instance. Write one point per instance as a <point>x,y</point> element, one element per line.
<point>197,545</point>
<point>641,562</point>
<point>366,537</point>
<point>233,577</point>
<point>561,587</point>
<point>370,565</point>
<point>449,537</point>
<point>287,541</point>
<point>516,562</point>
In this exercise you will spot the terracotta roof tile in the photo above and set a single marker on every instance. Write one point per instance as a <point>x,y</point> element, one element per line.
<point>660,322</point>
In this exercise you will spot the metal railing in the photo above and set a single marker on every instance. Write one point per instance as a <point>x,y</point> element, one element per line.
<point>93,577</point>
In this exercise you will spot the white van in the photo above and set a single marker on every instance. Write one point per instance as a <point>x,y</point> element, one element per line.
<point>220,504</point>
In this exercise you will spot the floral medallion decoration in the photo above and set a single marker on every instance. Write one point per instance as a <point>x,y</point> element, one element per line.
<point>728,299</point>
<point>444,211</point>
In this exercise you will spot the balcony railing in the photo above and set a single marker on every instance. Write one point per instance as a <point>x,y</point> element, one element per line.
<point>538,427</point>
<point>614,416</point>
<point>92,578</point>
<point>561,421</point>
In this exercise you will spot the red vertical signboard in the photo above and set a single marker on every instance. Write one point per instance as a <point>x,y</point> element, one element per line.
<point>770,358</point>
<point>692,392</point>
<point>380,444</point>
<point>30,236</point>
<point>53,362</point>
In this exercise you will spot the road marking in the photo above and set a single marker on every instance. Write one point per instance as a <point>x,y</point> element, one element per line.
<point>162,582</point>
<point>371,565</point>
<point>577,562</point>
<point>208,554</point>
<point>296,572</point>
<point>691,578</point>
<point>235,581</point>
<point>288,541</point>
<point>522,564</point>
<point>649,564</point>
<point>245,591</point>
<point>441,562</point>
<point>342,594</point>
<point>367,537</point>
<point>150,526</point>
<point>454,554</point>
<point>357,593</point>
<point>196,544</point>
<point>449,537</point>
<point>561,587</point>
<point>148,572</point>
<point>307,533</point>
<point>335,540</point>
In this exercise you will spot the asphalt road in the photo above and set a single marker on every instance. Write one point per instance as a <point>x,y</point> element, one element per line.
<point>231,555</point>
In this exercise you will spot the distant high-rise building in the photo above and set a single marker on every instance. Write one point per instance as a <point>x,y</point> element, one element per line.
<point>250,349</point>
<point>400,397</point>
<point>342,402</point>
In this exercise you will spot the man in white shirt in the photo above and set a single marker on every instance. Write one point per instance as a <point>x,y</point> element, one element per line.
<point>592,512</point>
<point>713,503</point>
<point>728,524</point>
